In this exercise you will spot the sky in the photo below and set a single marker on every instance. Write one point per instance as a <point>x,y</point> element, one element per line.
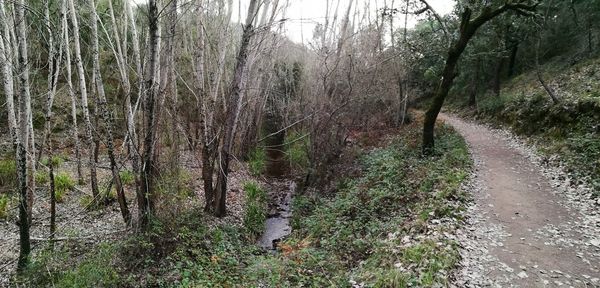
<point>303,15</point>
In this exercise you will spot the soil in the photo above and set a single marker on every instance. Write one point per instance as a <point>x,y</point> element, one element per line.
<point>529,225</point>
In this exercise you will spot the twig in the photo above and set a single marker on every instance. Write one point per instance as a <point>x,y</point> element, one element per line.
<point>55,239</point>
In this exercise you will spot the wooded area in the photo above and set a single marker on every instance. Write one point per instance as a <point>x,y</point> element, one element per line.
<point>157,109</point>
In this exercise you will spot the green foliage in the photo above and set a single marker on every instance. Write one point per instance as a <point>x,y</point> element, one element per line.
<point>4,200</point>
<point>190,253</point>
<point>255,213</point>
<point>62,184</point>
<point>8,173</point>
<point>57,161</point>
<point>58,269</point>
<point>176,184</point>
<point>334,239</point>
<point>42,177</point>
<point>86,201</point>
<point>95,271</point>
<point>296,149</point>
<point>257,160</point>
<point>332,236</point>
<point>127,177</point>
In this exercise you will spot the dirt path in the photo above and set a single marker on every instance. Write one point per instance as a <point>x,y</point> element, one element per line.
<point>528,226</point>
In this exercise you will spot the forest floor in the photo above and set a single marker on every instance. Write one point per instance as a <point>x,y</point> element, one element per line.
<point>529,225</point>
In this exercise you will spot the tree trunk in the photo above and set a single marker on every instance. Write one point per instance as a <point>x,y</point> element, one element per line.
<point>71,91</point>
<point>7,74</point>
<point>468,28</point>
<point>498,76</point>
<point>84,99</point>
<point>233,111</point>
<point>538,74</point>
<point>23,136</point>
<point>207,151</point>
<point>146,194</point>
<point>131,127</point>
<point>475,84</point>
<point>107,117</point>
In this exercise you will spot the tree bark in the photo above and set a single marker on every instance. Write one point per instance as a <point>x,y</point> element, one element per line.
<point>131,136</point>
<point>73,97</point>
<point>233,111</point>
<point>512,59</point>
<point>498,76</point>
<point>54,63</point>
<point>107,117</point>
<point>475,84</point>
<point>7,74</point>
<point>146,194</point>
<point>23,136</point>
<point>207,151</point>
<point>467,29</point>
<point>84,99</point>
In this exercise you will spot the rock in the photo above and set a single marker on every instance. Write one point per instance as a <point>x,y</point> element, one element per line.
<point>522,275</point>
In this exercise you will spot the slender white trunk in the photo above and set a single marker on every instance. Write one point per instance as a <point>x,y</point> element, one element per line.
<point>73,97</point>
<point>84,98</point>
<point>23,168</point>
<point>54,63</point>
<point>106,115</point>
<point>7,74</point>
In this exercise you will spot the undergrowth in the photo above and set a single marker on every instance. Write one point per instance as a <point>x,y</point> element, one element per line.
<point>255,213</point>
<point>257,161</point>
<point>356,235</point>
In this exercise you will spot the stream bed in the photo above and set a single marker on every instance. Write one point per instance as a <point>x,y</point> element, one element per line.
<point>277,225</point>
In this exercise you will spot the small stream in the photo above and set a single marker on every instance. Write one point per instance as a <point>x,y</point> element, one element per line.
<point>277,225</point>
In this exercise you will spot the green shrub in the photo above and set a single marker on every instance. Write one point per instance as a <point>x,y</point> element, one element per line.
<point>62,184</point>
<point>86,201</point>
<point>8,173</point>
<point>3,206</point>
<point>257,161</point>
<point>42,177</point>
<point>255,214</point>
<point>127,177</point>
<point>296,149</point>
<point>346,236</point>
<point>57,161</point>
<point>95,271</point>
<point>177,183</point>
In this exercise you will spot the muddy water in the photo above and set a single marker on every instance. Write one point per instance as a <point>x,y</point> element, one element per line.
<point>277,225</point>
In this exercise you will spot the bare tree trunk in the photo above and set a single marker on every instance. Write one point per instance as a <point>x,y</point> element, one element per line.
<point>54,63</point>
<point>207,165</point>
<point>233,111</point>
<point>474,84</point>
<point>146,194</point>
<point>7,74</point>
<point>107,117</point>
<point>512,59</point>
<point>131,127</point>
<point>498,76</point>
<point>170,91</point>
<point>71,91</point>
<point>538,74</point>
<point>53,72</point>
<point>84,99</point>
<point>52,197</point>
<point>23,136</point>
